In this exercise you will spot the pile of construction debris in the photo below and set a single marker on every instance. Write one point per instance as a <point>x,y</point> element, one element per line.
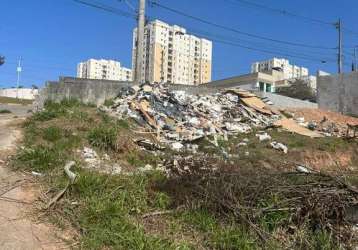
<point>179,118</point>
<point>327,122</point>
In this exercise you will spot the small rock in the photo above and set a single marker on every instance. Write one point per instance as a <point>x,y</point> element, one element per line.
<point>242,144</point>
<point>279,146</point>
<point>177,146</point>
<point>303,169</point>
<point>263,137</point>
<point>36,174</point>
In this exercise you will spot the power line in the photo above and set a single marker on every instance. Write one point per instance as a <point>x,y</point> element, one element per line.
<point>154,3</point>
<point>129,4</point>
<point>201,32</point>
<point>290,14</point>
<point>107,8</point>
<point>235,43</point>
<point>283,12</point>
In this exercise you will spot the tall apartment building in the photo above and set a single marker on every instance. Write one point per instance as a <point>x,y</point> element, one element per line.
<point>103,69</point>
<point>280,64</point>
<point>172,56</point>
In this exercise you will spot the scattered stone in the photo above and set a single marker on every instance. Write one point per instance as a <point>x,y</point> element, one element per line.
<point>37,174</point>
<point>303,169</point>
<point>177,146</point>
<point>264,137</point>
<point>279,146</point>
<point>146,168</point>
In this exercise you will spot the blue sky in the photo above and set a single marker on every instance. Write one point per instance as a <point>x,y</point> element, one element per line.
<point>53,36</point>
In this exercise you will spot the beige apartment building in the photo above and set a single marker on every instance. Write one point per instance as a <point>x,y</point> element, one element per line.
<point>103,69</point>
<point>172,56</point>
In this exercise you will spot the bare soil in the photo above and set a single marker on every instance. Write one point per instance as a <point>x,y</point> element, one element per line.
<point>18,191</point>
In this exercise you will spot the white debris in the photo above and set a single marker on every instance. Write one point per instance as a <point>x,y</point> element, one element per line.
<point>279,146</point>
<point>184,117</point>
<point>36,174</point>
<point>116,169</point>
<point>241,144</point>
<point>246,140</point>
<point>300,119</point>
<point>192,147</point>
<point>177,146</point>
<point>303,169</point>
<point>263,137</point>
<point>146,168</point>
<point>89,154</point>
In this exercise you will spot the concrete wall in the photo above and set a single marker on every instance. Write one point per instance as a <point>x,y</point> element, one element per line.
<point>28,94</point>
<point>281,101</point>
<point>338,93</point>
<point>97,91</point>
<point>86,90</point>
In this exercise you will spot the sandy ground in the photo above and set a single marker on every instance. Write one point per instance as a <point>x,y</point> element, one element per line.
<point>18,191</point>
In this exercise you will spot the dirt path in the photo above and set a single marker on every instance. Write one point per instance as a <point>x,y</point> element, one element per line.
<point>18,191</point>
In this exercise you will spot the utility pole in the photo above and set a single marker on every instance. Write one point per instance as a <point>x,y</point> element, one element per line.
<point>355,58</point>
<point>140,39</point>
<point>340,50</point>
<point>18,70</point>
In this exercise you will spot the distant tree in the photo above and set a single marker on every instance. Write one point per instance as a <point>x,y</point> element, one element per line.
<point>298,89</point>
<point>21,87</point>
<point>34,86</point>
<point>2,60</point>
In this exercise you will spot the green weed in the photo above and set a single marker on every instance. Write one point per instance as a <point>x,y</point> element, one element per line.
<point>108,102</point>
<point>52,134</point>
<point>5,111</point>
<point>103,137</point>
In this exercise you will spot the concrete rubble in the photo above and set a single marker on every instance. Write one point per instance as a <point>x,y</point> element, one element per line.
<point>279,146</point>
<point>101,164</point>
<point>179,118</point>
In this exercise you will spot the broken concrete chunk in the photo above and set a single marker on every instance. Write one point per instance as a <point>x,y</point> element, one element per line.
<point>263,137</point>
<point>177,146</point>
<point>279,146</point>
<point>303,169</point>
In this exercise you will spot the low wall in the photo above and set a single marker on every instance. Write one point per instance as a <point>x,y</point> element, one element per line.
<point>338,93</point>
<point>281,101</point>
<point>86,90</point>
<point>21,93</point>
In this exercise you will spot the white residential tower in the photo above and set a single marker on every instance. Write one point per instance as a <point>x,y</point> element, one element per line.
<point>103,69</point>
